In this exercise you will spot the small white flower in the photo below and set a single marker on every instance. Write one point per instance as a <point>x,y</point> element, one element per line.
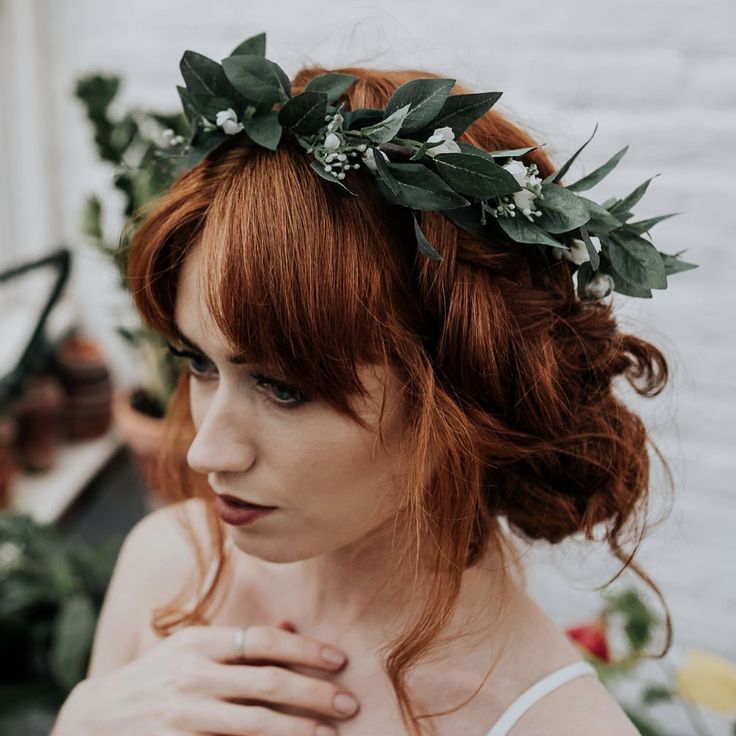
<point>446,134</point>
<point>578,253</point>
<point>599,286</point>
<point>369,160</point>
<point>332,142</point>
<point>10,556</point>
<point>228,121</point>
<point>532,185</point>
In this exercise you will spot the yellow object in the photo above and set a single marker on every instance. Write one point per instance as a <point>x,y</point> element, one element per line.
<point>709,680</point>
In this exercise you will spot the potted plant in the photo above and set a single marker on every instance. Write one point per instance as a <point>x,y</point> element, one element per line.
<point>129,143</point>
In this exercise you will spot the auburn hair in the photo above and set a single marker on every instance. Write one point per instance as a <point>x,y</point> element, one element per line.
<point>507,375</point>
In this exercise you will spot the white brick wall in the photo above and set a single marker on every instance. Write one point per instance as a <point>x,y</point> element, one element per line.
<point>659,75</point>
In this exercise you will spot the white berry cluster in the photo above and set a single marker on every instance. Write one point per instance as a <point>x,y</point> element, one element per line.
<point>171,138</point>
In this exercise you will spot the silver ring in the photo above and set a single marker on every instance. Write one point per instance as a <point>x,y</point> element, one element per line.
<point>240,641</point>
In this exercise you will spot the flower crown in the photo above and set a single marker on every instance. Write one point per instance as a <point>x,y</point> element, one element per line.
<point>411,150</point>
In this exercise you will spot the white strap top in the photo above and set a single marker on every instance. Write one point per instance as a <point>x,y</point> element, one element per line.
<point>538,690</point>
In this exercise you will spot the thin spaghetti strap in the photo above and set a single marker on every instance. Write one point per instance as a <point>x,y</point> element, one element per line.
<point>538,690</point>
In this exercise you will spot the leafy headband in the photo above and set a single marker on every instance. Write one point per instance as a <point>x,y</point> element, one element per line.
<point>411,150</point>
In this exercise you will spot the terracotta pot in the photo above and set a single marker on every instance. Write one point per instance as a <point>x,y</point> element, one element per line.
<point>141,433</point>
<point>40,411</point>
<point>8,463</point>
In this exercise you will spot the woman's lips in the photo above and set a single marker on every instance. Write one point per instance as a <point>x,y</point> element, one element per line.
<point>239,514</point>
<point>235,501</point>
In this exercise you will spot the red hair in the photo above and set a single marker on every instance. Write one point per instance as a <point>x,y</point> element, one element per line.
<point>507,375</point>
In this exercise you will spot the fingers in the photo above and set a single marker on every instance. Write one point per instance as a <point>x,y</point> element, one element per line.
<point>274,684</point>
<point>237,720</point>
<point>260,643</point>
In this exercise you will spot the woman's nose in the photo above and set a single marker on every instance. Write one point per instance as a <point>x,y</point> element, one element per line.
<point>222,441</point>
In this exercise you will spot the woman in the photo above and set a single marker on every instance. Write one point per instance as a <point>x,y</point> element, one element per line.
<point>390,427</point>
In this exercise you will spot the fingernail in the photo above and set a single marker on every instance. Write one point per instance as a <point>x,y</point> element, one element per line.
<point>323,730</point>
<point>346,704</point>
<point>332,655</point>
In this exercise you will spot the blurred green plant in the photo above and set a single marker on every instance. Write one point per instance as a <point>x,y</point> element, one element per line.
<point>51,593</point>
<point>703,680</point>
<point>130,142</point>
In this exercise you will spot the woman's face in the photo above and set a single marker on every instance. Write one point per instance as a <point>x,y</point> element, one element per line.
<point>332,481</point>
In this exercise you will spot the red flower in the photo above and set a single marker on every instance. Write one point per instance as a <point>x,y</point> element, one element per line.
<point>591,637</point>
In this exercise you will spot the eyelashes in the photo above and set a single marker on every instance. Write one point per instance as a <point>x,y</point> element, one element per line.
<point>295,397</point>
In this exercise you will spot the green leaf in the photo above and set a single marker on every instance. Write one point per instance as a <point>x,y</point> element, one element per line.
<point>304,113</point>
<point>522,230</point>
<point>256,78</point>
<point>425,97</point>
<point>329,176</point>
<point>672,264</point>
<point>459,111</point>
<point>595,260</point>
<point>420,189</point>
<point>625,286</point>
<point>492,155</point>
<point>384,130</point>
<point>657,693</point>
<point>475,176</point>
<point>601,220</point>
<point>333,84</point>
<point>637,260</point>
<point>362,116</point>
<point>562,211</point>
<point>264,129</point>
<point>467,218</point>
<point>623,207</point>
<point>384,172</point>
<point>253,46</point>
<point>589,181</point>
<point>204,76</point>
<point>206,143</point>
<point>187,103</point>
<point>556,176</point>
<point>643,226</point>
<point>209,105</point>
<point>422,243</point>
<point>72,639</point>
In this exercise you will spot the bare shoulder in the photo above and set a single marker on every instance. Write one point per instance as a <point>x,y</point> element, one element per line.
<point>580,707</point>
<point>156,561</point>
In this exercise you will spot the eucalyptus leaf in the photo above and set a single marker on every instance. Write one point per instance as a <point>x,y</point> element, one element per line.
<point>425,98</point>
<point>364,116</point>
<point>304,113</point>
<point>475,176</point>
<point>384,172</point>
<point>422,243</point>
<point>253,46</point>
<point>206,144</point>
<point>590,247</point>
<point>329,176</point>
<point>643,226</point>
<point>637,260</point>
<point>589,181</point>
<point>264,129</point>
<point>255,78</point>
<point>386,129</point>
<point>209,105</point>
<point>187,103</point>
<point>203,76</point>
<point>557,175</point>
<point>623,207</point>
<point>672,264</point>
<point>601,220</point>
<point>467,218</point>
<point>459,111</point>
<point>621,284</point>
<point>522,230</point>
<point>562,211</point>
<point>333,84</point>
<point>420,188</point>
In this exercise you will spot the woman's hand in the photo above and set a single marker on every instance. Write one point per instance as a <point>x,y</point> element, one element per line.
<point>182,686</point>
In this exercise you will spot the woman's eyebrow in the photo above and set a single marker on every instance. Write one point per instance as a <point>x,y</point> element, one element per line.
<point>236,359</point>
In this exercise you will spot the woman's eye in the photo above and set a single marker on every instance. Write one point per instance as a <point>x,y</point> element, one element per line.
<point>294,396</point>
<point>202,369</point>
